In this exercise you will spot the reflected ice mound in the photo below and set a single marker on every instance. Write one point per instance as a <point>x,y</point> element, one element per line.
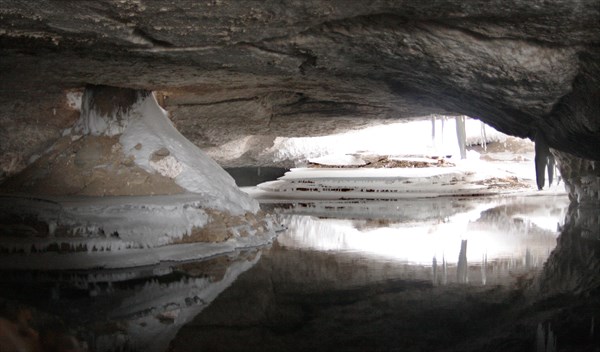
<point>114,232</point>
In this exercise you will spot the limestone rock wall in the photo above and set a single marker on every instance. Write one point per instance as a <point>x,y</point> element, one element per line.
<point>307,67</point>
<point>581,176</point>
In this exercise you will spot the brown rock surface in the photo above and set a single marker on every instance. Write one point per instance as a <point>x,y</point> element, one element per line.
<point>90,166</point>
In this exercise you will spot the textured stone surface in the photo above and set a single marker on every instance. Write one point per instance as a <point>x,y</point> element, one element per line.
<point>581,176</point>
<point>231,69</point>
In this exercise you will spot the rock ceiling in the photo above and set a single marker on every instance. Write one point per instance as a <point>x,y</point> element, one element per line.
<point>288,67</point>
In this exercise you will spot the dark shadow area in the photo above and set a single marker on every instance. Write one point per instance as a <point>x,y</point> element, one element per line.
<point>253,175</point>
<point>298,299</point>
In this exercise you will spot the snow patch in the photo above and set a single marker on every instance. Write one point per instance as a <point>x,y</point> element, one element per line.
<point>338,160</point>
<point>413,138</point>
<point>167,166</point>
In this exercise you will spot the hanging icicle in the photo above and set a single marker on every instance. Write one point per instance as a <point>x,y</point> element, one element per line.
<point>483,136</point>
<point>542,159</point>
<point>443,118</point>
<point>461,135</point>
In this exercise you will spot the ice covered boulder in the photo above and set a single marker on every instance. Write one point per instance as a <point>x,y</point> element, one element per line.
<point>148,136</point>
<point>124,178</point>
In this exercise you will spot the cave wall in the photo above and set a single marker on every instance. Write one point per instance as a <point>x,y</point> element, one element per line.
<point>581,176</point>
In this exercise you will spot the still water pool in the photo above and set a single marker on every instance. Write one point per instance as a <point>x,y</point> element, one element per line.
<point>473,274</point>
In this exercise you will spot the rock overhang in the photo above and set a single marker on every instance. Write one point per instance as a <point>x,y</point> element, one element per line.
<point>520,66</point>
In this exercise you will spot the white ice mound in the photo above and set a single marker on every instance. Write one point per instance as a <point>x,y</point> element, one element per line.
<point>338,160</point>
<point>149,136</point>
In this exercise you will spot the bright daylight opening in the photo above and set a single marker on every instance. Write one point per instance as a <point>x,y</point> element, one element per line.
<point>443,155</point>
<point>451,156</point>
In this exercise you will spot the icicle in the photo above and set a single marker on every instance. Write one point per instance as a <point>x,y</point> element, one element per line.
<point>542,156</point>
<point>551,167</point>
<point>483,136</point>
<point>433,130</point>
<point>461,135</point>
<point>443,145</point>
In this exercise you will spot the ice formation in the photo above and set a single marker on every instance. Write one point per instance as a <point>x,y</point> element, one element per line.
<point>144,129</point>
<point>101,229</point>
<point>389,183</point>
<point>117,232</point>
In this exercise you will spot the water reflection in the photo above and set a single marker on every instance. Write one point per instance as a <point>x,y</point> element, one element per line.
<point>425,275</point>
<point>324,287</point>
<point>477,241</point>
<point>138,309</point>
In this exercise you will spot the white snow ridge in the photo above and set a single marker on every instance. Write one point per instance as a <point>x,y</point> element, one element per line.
<point>148,130</point>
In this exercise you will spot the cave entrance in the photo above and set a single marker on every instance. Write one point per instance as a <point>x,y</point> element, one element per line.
<point>428,157</point>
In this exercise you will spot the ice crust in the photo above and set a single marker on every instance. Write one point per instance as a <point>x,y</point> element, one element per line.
<point>149,129</point>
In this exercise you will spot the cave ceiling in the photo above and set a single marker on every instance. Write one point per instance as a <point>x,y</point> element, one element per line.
<point>285,66</point>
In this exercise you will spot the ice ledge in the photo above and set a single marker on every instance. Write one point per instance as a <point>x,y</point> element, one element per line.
<point>114,232</point>
<point>132,257</point>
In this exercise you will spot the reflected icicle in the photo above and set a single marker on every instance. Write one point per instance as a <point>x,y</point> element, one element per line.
<point>551,341</point>
<point>484,269</point>
<point>545,342</point>
<point>528,259</point>
<point>540,340</point>
<point>444,271</point>
<point>435,274</point>
<point>461,270</point>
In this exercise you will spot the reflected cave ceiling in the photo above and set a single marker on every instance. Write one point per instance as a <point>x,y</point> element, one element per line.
<point>289,68</point>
